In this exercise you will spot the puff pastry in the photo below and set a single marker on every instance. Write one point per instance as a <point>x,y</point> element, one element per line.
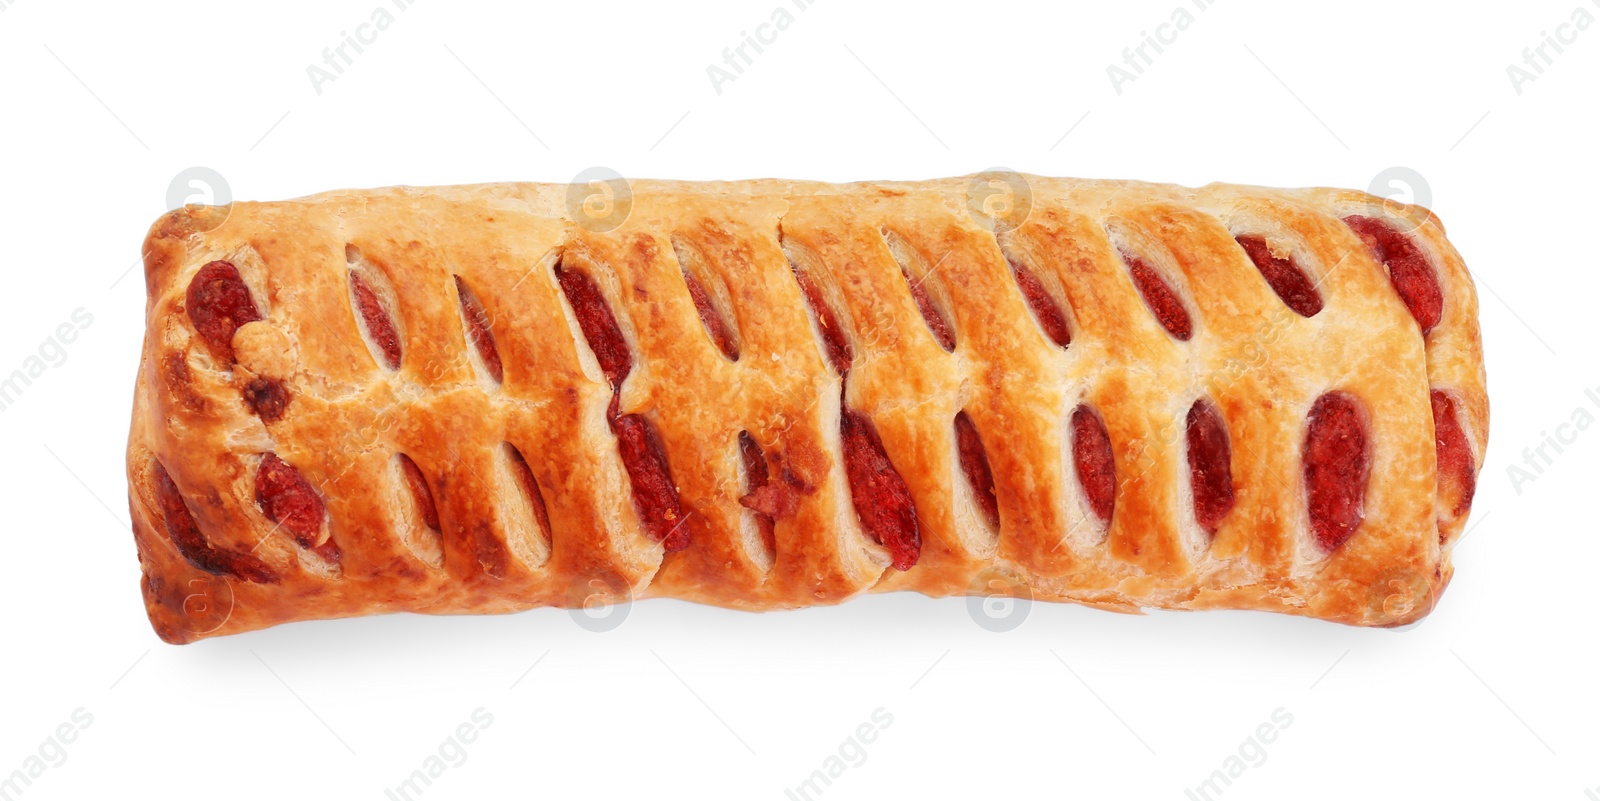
<point>770,394</point>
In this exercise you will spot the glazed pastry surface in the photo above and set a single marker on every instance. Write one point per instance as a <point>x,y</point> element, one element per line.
<point>772,394</point>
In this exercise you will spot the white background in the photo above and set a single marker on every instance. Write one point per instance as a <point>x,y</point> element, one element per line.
<point>104,103</point>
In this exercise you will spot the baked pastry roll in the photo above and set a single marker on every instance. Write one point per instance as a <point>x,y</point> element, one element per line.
<point>771,394</point>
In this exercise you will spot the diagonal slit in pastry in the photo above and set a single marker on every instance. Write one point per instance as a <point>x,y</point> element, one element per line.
<point>757,528</point>
<point>416,515</point>
<point>479,331</point>
<point>975,487</point>
<point>527,519</point>
<point>711,298</point>
<point>1041,293</point>
<point>374,302</point>
<point>927,290</point>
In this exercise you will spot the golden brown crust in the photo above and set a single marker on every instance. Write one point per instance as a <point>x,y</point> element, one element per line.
<point>340,417</point>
